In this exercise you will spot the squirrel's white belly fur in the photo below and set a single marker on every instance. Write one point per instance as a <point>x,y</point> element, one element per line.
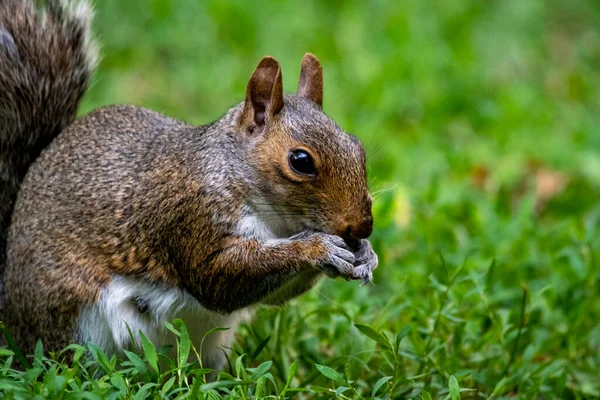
<point>108,322</point>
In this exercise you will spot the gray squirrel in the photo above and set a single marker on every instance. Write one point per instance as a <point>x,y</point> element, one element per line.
<point>126,218</point>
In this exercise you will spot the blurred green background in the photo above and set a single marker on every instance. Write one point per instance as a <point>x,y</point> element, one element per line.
<point>481,121</point>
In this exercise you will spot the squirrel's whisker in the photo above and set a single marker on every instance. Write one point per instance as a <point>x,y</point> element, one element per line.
<point>379,192</point>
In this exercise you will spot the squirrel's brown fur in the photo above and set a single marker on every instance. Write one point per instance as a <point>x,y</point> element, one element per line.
<point>215,210</point>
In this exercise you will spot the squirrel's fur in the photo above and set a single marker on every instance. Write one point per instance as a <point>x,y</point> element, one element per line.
<point>131,217</point>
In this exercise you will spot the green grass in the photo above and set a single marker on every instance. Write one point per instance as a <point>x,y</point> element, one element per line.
<point>471,111</point>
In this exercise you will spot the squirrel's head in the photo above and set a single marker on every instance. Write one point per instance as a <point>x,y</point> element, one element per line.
<point>308,172</point>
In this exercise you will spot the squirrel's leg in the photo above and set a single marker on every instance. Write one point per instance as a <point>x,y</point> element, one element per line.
<point>247,271</point>
<point>45,303</point>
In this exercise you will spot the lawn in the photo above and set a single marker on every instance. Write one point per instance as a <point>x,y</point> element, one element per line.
<point>481,121</point>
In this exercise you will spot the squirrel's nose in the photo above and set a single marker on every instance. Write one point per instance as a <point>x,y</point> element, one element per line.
<point>361,230</point>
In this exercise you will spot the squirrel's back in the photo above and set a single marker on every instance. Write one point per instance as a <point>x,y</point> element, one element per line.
<point>46,59</point>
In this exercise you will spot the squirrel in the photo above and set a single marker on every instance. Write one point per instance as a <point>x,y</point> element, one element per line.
<point>124,219</point>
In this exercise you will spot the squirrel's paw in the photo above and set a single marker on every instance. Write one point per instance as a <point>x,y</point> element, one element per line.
<point>366,262</point>
<point>339,259</point>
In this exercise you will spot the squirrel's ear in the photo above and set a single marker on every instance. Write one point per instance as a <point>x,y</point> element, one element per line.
<point>264,94</point>
<point>310,84</point>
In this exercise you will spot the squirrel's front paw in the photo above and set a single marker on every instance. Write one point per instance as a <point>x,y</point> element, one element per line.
<point>366,261</point>
<point>339,260</point>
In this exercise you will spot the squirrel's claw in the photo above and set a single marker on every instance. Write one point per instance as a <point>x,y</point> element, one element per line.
<point>366,262</point>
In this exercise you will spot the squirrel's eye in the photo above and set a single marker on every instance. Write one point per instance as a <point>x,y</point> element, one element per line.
<point>301,162</point>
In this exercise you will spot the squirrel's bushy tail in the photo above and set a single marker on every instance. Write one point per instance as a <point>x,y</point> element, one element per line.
<point>46,59</point>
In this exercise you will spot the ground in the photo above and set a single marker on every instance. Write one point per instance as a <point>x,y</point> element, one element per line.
<point>481,121</point>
